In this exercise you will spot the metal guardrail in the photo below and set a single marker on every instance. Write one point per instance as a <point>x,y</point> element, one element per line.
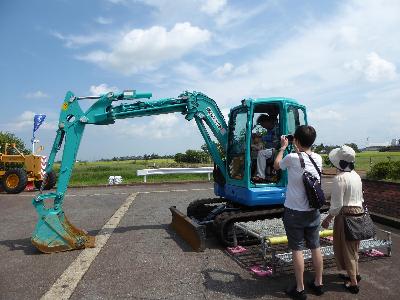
<point>164,171</point>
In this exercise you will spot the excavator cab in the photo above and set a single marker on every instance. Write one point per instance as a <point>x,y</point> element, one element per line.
<point>243,196</point>
<point>254,132</point>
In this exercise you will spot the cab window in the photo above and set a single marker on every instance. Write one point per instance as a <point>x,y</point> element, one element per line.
<point>296,117</point>
<point>237,143</point>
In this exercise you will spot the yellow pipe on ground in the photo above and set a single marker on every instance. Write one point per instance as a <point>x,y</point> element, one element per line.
<point>283,239</point>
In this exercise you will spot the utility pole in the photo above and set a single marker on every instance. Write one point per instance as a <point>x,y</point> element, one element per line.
<point>34,141</point>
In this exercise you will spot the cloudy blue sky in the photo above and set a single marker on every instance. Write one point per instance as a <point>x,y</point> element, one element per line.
<point>339,58</point>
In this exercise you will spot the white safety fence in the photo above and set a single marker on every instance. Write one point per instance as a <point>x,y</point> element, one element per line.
<point>163,171</point>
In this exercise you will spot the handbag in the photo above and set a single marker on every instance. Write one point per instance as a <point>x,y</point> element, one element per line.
<point>358,227</point>
<point>314,192</point>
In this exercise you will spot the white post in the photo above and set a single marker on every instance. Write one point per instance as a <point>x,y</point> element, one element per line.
<point>145,178</point>
<point>33,145</point>
<point>209,176</point>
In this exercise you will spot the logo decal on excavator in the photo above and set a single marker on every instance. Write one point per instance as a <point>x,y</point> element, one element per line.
<point>214,118</point>
<point>65,106</point>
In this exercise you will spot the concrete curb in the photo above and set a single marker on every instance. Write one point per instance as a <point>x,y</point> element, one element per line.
<point>385,220</point>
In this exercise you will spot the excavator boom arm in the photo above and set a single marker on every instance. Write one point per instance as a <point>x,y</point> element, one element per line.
<point>53,231</point>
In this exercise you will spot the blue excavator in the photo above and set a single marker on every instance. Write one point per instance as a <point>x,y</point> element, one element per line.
<point>240,195</point>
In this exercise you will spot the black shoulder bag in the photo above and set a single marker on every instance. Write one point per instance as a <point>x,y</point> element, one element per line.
<point>358,227</point>
<point>312,185</point>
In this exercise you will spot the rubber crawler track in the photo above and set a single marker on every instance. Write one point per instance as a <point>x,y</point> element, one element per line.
<point>223,223</point>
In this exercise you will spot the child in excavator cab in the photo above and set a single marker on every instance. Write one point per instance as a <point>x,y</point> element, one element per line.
<point>265,157</point>
<point>256,145</point>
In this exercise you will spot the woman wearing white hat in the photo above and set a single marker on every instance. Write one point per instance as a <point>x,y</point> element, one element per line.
<point>346,199</point>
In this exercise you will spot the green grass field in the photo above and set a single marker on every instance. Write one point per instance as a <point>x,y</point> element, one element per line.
<point>97,173</point>
<point>365,160</point>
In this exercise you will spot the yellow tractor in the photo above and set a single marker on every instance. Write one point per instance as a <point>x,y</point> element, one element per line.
<point>18,169</point>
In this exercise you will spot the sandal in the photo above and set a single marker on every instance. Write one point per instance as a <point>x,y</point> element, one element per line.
<point>295,294</point>
<point>354,289</point>
<point>347,278</point>
<point>317,289</point>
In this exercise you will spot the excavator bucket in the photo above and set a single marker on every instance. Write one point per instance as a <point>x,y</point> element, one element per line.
<point>191,232</point>
<point>54,233</point>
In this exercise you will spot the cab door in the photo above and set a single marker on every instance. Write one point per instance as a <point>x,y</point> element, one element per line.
<point>237,142</point>
<point>295,116</point>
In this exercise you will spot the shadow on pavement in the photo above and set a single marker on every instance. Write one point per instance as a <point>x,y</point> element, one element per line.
<point>211,242</point>
<point>233,284</point>
<point>21,244</point>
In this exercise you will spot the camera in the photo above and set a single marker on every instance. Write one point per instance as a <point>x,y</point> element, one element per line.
<point>290,137</point>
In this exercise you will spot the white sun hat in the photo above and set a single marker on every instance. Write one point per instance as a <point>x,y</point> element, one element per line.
<point>343,158</point>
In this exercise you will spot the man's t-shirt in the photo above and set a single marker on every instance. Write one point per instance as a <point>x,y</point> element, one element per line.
<point>296,197</point>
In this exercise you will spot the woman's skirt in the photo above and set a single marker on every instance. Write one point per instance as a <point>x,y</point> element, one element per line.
<point>346,252</point>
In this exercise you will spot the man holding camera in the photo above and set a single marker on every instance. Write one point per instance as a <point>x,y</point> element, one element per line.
<point>302,222</point>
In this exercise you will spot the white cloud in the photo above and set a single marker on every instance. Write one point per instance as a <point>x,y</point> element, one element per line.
<point>103,21</point>
<point>373,68</point>
<point>188,71</point>
<point>141,49</point>
<point>75,41</point>
<point>231,16</point>
<point>158,127</point>
<point>25,122</point>
<point>241,70</point>
<point>101,89</point>
<point>36,95</point>
<point>26,116</point>
<point>379,69</point>
<point>349,34</point>
<point>326,114</point>
<point>223,70</point>
<point>212,7</point>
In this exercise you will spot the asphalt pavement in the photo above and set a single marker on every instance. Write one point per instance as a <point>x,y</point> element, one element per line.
<point>142,258</point>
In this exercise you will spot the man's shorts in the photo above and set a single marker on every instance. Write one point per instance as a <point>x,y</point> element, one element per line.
<point>302,226</point>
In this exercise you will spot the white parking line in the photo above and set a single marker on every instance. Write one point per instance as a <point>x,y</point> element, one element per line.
<point>67,282</point>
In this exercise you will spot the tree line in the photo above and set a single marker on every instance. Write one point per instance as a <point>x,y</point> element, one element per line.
<point>325,149</point>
